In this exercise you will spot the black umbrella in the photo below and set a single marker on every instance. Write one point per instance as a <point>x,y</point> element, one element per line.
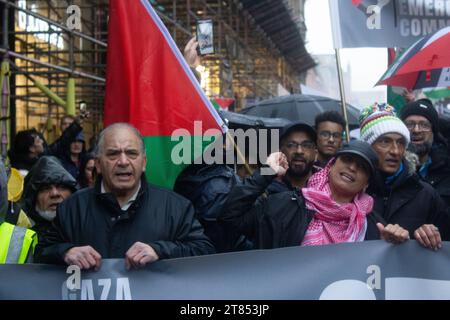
<point>300,107</point>
<point>243,121</point>
<point>236,120</point>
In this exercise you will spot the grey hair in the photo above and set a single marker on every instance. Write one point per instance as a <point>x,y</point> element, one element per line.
<point>118,125</point>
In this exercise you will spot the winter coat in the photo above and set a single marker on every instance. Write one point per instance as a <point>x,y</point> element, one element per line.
<point>409,202</point>
<point>46,171</point>
<point>439,172</point>
<point>61,144</point>
<point>62,151</point>
<point>208,187</point>
<point>158,217</point>
<point>278,220</point>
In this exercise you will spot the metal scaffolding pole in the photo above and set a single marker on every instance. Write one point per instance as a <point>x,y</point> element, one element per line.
<point>61,26</point>
<point>49,65</point>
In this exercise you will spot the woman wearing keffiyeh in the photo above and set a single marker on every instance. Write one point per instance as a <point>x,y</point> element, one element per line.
<point>333,208</point>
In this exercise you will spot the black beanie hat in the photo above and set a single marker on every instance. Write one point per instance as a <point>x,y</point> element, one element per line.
<point>422,107</point>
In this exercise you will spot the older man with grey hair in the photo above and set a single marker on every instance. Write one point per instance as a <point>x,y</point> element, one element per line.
<point>122,216</point>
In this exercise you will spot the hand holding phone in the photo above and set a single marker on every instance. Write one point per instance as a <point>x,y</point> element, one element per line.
<point>205,36</point>
<point>190,53</point>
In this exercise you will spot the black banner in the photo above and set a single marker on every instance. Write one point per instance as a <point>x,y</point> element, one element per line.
<point>368,270</point>
<point>385,23</point>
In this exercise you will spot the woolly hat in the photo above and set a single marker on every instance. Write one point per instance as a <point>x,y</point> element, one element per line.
<point>424,108</point>
<point>379,119</point>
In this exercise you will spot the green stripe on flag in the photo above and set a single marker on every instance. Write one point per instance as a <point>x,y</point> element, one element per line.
<point>394,99</point>
<point>437,93</point>
<point>161,169</point>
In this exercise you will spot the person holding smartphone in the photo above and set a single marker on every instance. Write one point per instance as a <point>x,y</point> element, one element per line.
<point>191,56</point>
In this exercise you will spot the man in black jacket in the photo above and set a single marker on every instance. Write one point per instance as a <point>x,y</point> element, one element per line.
<point>299,151</point>
<point>122,216</point>
<point>401,197</point>
<point>46,186</point>
<point>422,121</point>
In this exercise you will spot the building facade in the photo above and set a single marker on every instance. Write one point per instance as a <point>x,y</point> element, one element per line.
<point>56,54</point>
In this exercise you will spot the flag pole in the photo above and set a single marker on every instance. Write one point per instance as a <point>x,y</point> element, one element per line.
<point>239,153</point>
<point>342,90</point>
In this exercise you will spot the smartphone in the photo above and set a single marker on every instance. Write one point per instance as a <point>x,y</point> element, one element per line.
<point>205,36</point>
<point>83,107</point>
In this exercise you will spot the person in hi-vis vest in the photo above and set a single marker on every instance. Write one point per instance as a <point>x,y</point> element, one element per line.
<point>16,243</point>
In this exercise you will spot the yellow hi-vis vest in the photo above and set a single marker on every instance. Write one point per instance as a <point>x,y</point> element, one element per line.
<point>16,243</point>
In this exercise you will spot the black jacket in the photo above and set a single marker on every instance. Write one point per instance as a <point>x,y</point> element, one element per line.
<point>274,221</point>
<point>208,187</point>
<point>409,202</point>
<point>60,145</point>
<point>46,171</point>
<point>439,172</point>
<point>158,217</point>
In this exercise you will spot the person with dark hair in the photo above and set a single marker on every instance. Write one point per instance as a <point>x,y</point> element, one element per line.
<point>65,122</point>
<point>422,121</point>
<point>26,149</point>
<point>123,216</point>
<point>299,151</point>
<point>72,155</point>
<point>29,145</point>
<point>86,179</point>
<point>330,126</point>
<point>332,208</point>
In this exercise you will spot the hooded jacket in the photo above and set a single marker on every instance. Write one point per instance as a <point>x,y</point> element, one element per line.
<point>47,170</point>
<point>208,186</point>
<point>158,217</point>
<point>64,154</point>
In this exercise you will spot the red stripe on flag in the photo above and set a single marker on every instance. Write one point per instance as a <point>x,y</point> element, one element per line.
<point>146,84</point>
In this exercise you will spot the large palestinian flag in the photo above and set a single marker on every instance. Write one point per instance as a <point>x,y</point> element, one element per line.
<point>150,86</point>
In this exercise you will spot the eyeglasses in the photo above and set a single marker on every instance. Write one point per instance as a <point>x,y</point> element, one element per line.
<point>423,125</point>
<point>327,135</point>
<point>306,145</point>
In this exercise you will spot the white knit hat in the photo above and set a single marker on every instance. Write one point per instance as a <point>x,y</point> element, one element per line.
<point>379,119</point>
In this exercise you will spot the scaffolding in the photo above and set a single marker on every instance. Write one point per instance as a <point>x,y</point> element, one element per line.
<point>53,67</point>
<point>259,45</point>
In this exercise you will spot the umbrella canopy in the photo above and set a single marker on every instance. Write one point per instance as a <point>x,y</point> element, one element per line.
<point>426,64</point>
<point>236,120</point>
<point>300,107</point>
